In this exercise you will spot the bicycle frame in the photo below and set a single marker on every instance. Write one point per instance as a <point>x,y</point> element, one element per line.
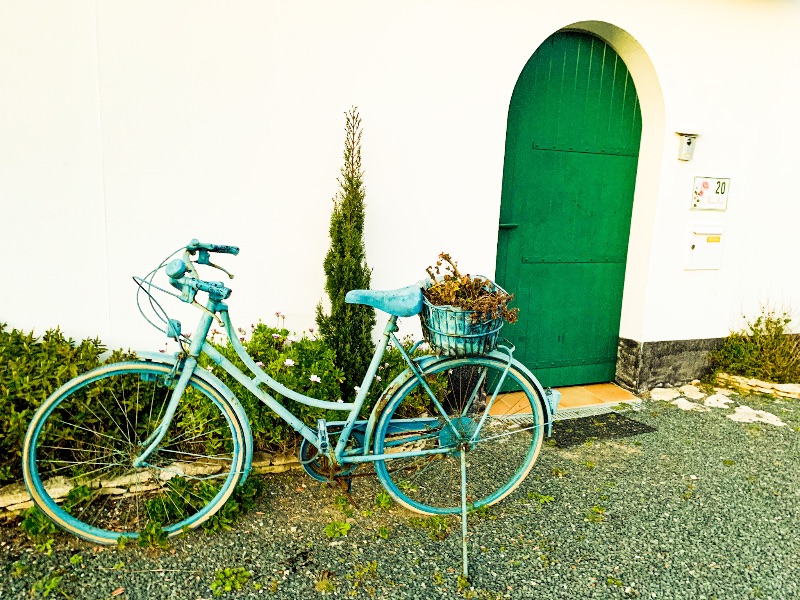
<point>200,344</point>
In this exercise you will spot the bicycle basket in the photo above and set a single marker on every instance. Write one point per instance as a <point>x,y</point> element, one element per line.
<point>454,331</point>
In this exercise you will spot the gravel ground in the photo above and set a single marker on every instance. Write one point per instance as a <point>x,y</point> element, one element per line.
<point>659,503</point>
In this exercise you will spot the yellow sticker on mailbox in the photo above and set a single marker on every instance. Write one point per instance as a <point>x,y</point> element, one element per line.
<point>713,238</point>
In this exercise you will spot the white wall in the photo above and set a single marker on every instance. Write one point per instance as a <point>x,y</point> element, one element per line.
<point>131,127</point>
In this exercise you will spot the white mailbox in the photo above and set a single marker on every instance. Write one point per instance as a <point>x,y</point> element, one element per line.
<point>705,247</point>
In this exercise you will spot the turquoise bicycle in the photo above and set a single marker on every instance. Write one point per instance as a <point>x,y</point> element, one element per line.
<point>159,439</point>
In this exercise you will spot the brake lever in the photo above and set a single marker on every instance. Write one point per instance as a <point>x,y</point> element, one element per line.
<point>230,275</point>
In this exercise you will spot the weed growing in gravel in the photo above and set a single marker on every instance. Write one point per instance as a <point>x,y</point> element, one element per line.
<point>336,529</point>
<point>383,532</point>
<point>690,489</point>
<point>229,579</point>
<point>484,512</point>
<point>76,559</point>
<point>45,546</point>
<point>383,501</point>
<point>118,565</point>
<point>362,574</point>
<point>39,529</point>
<point>153,536</point>
<point>325,584</point>
<point>46,585</point>
<point>556,472</point>
<point>540,498</point>
<point>596,514</point>
<point>19,568</point>
<point>728,463</point>
<point>343,504</point>
<point>437,526</point>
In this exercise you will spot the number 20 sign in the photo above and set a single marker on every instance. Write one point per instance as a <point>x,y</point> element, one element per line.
<point>710,193</point>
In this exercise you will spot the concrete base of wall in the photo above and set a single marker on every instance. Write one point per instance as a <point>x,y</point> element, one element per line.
<point>642,366</point>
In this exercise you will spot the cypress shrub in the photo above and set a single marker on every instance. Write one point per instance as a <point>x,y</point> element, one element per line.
<point>348,328</point>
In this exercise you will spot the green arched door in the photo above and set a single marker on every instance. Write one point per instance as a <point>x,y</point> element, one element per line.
<point>572,147</point>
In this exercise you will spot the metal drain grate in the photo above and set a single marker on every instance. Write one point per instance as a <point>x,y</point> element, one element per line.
<point>563,414</point>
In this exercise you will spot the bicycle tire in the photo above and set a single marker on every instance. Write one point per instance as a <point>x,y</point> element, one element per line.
<point>498,460</point>
<point>79,448</point>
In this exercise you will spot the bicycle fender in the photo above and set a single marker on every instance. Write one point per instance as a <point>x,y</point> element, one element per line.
<point>423,361</point>
<point>532,379</point>
<point>213,381</point>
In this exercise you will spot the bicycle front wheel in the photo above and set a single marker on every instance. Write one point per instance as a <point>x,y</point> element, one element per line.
<point>80,446</point>
<point>495,416</point>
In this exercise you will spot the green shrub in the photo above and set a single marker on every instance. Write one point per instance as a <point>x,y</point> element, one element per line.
<point>764,349</point>
<point>301,363</point>
<point>30,370</point>
<point>348,327</point>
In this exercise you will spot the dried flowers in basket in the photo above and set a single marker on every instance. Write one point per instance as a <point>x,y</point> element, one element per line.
<point>461,314</point>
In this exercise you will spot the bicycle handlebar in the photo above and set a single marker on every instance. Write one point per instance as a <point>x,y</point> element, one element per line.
<point>196,245</point>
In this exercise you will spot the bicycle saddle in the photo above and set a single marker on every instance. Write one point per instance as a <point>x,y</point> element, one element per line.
<point>404,302</point>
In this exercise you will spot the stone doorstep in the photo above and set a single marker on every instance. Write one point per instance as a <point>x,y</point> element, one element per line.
<point>14,498</point>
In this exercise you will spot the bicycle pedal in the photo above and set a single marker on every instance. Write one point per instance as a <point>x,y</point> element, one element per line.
<point>322,435</point>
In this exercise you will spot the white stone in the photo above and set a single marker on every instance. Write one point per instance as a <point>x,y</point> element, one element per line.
<point>684,404</point>
<point>138,489</point>
<point>283,460</point>
<point>723,391</point>
<point>13,494</point>
<point>126,480</point>
<point>664,394</point>
<point>757,383</point>
<point>20,506</point>
<point>275,468</point>
<point>691,392</point>
<point>262,459</point>
<point>745,414</point>
<point>114,491</point>
<point>717,401</point>
<point>788,388</point>
<point>58,487</point>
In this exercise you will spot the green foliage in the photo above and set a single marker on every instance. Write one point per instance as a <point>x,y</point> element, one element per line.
<point>348,327</point>
<point>764,349</point>
<point>437,526</point>
<point>46,586</point>
<point>153,536</point>
<point>596,514</point>
<point>19,568</point>
<point>304,364</point>
<point>228,580</point>
<point>30,370</point>
<point>76,559</point>
<point>336,529</point>
<point>40,530</point>
<point>383,501</point>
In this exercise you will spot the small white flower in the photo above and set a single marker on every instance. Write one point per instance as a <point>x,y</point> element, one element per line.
<point>259,364</point>
<point>275,336</point>
<point>339,400</point>
<point>291,338</point>
<point>210,368</point>
<point>312,338</point>
<point>356,388</point>
<point>377,377</point>
<point>315,379</point>
<point>288,362</point>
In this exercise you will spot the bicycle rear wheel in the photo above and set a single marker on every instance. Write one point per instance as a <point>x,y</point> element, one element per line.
<point>80,445</point>
<point>500,452</point>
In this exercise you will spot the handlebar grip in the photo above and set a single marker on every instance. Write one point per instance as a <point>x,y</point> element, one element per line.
<point>196,245</point>
<point>214,288</point>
